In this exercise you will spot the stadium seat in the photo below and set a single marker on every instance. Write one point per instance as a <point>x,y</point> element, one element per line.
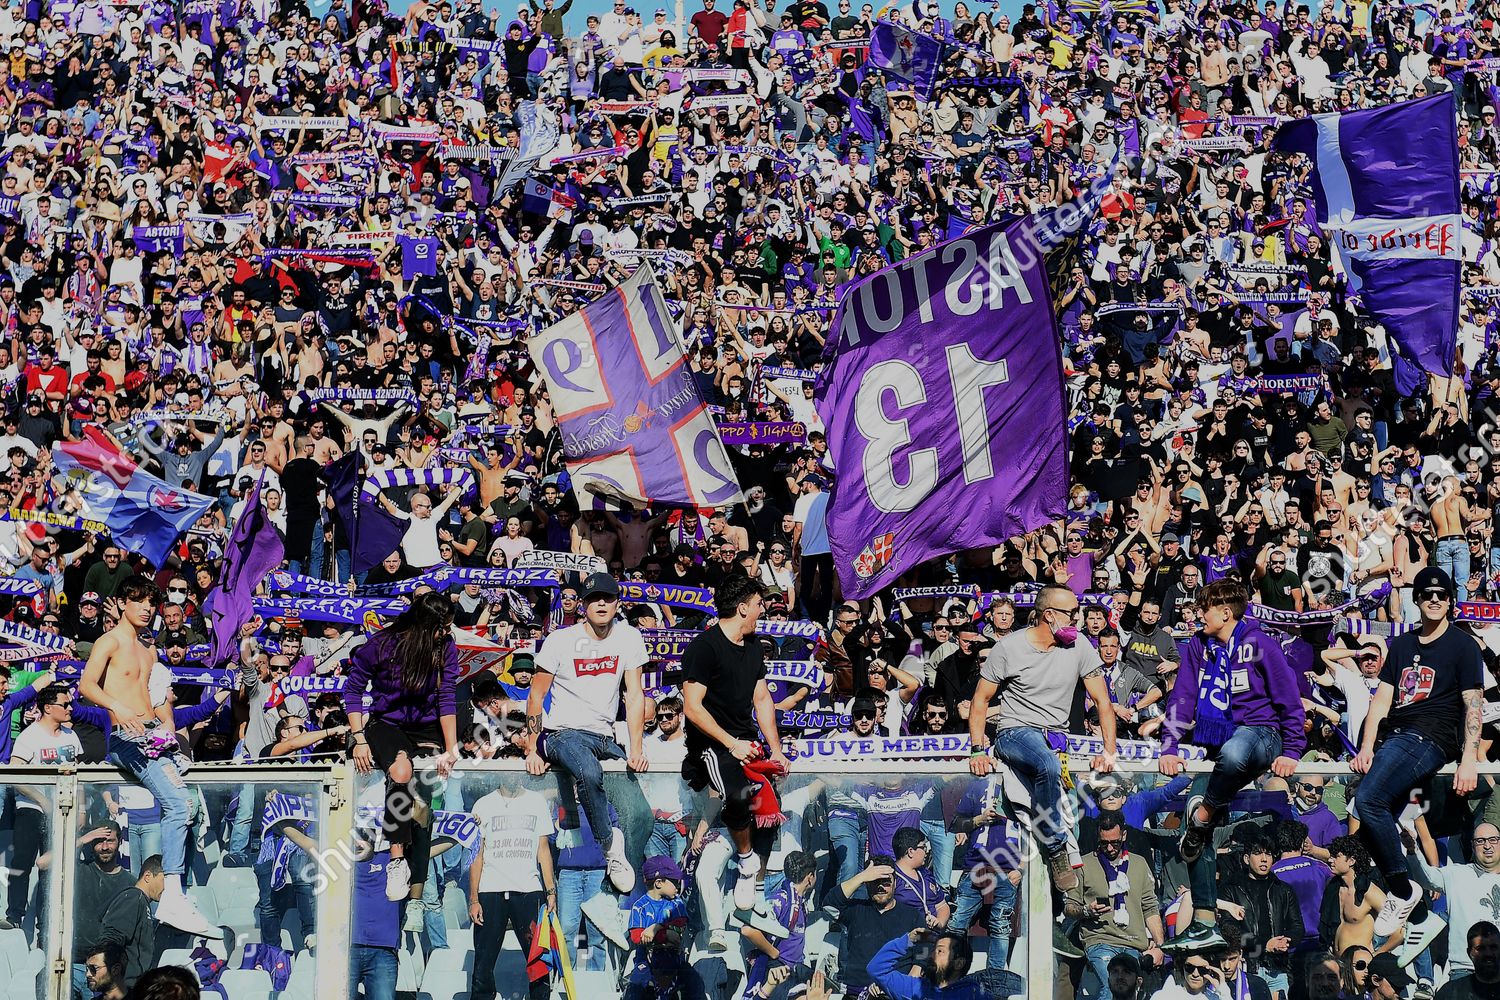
<point>447,960</point>
<point>246,984</point>
<point>303,982</point>
<point>26,984</point>
<point>13,948</point>
<point>446,984</point>
<point>178,956</point>
<point>410,965</point>
<point>230,885</point>
<point>461,938</point>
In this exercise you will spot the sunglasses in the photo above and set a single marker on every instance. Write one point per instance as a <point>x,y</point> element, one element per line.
<point>1432,594</point>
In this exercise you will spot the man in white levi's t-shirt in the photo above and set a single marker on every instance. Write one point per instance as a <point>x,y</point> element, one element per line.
<point>584,668</point>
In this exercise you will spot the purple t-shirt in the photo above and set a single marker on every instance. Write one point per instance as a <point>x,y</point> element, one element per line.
<point>890,809</point>
<point>1307,877</point>
<point>377,920</point>
<point>920,892</point>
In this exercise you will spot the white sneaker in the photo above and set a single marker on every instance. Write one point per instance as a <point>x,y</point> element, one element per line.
<point>621,875</point>
<point>744,883</point>
<point>718,941</point>
<point>1395,910</point>
<point>177,909</point>
<point>1418,936</point>
<point>397,880</point>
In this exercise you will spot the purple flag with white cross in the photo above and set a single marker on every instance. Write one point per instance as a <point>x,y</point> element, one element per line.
<point>633,424</point>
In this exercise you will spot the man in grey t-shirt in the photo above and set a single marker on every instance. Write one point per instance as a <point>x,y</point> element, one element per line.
<point>1035,671</point>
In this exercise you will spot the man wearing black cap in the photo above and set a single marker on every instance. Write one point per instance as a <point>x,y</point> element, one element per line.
<point>584,667</point>
<point>1425,713</point>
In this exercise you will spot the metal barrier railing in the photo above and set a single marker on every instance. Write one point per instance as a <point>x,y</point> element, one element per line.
<point>336,815</point>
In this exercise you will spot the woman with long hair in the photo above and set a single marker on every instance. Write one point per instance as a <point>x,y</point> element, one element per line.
<point>402,668</point>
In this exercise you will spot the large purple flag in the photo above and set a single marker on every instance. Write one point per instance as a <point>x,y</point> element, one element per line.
<point>373,533</point>
<point>255,549</point>
<point>1386,187</point>
<point>944,406</point>
<point>633,425</point>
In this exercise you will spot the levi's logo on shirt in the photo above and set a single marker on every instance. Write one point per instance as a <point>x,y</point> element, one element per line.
<point>596,665</point>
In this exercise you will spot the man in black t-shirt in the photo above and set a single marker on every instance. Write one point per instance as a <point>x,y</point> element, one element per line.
<point>729,709</point>
<point>1426,712</point>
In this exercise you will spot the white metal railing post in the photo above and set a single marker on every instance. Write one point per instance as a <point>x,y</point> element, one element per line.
<point>63,844</point>
<point>1041,959</point>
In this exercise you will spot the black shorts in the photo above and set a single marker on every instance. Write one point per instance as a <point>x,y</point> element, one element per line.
<point>715,768</point>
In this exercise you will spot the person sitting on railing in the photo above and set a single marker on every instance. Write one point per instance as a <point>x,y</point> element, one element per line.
<point>1426,712</point>
<point>1036,672</point>
<point>143,741</point>
<point>732,726</point>
<point>1238,695</point>
<point>588,669</point>
<point>410,670</point>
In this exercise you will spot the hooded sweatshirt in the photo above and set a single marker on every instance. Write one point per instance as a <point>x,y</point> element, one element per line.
<point>1263,690</point>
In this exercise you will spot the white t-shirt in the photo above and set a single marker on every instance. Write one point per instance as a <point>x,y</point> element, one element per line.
<point>512,827</point>
<point>36,745</point>
<point>588,674</point>
<point>1358,694</point>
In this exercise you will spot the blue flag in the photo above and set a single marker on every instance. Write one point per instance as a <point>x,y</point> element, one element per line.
<point>373,533</point>
<point>255,549</point>
<point>1386,189</point>
<point>143,514</point>
<point>906,55</point>
<point>418,255</point>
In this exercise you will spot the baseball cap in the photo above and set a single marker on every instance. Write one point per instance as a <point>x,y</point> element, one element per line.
<point>661,866</point>
<point>1431,577</point>
<point>1387,968</point>
<point>91,597</point>
<point>600,583</point>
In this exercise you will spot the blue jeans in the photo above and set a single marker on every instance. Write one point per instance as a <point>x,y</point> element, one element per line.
<point>163,783</point>
<point>576,754</point>
<point>1403,761</point>
<point>1453,558</point>
<point>943,845</point>
<point>966,908</point>
<point>144,840</point>
<point>375,968</point>
<point>847,835</point>
<point>1245,757</point>
<point>274,904</point>
<point>1027,753</point>
<point>244,817</point>
<point>1100,955</point>
<point>433,923</point>
<point>576,886</point>
<point>665,841</point>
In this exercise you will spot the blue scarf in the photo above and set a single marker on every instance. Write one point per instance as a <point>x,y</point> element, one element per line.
<point>1215,718</point>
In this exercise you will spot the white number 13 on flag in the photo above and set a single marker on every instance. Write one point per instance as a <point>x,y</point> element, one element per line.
<point>889,439</point>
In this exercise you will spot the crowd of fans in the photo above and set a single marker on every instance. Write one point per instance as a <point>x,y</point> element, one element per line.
<point>231,297</point>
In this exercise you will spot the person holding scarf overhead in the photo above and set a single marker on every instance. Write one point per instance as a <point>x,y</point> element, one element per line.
<point>1239,696</point>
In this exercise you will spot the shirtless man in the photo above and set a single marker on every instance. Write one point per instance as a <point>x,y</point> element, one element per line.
<point>1451,518</point>
<point>142,740</point>
<point>594,534</point>
<point>325,448</point>
<point>1351,867</point>
<point>635,529</point>
<point>492,470</point>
